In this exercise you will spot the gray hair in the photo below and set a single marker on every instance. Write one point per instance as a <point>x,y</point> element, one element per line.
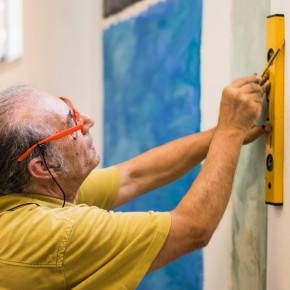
<point>16,136</point>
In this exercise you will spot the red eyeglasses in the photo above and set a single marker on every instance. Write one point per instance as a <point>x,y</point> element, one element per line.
<point>79,126</point>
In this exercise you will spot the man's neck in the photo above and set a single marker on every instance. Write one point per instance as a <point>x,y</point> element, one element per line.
<point>50,188</point>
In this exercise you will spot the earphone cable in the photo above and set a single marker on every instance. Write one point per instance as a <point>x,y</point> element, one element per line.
<point>41,146</point>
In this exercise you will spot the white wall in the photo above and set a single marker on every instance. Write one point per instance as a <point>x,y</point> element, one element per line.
<point>216,74</point>
<point>216,63</point>
<point>62,54</point>
<point>278,261</point>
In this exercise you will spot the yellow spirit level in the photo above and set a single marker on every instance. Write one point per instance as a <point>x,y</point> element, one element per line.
<point>275,139</point>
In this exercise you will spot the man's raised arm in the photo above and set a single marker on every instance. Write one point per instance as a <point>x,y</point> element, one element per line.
<point>197,215</point>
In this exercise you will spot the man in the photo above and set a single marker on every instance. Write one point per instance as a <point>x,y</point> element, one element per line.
<point>56,230</point>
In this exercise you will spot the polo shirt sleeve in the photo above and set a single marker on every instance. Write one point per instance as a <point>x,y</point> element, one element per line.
<point>113,250</point>
<point>100,188</point>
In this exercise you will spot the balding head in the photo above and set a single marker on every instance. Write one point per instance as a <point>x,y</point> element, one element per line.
<point>20,128</point>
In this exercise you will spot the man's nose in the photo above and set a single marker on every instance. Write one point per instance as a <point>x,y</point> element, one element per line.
<point>88,122</point>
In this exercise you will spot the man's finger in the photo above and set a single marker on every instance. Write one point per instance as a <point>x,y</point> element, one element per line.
<point>267,86</point>
<point>246,80</point>
<point>265,78</point>
<point>256,132</point>
<point>252,88</point>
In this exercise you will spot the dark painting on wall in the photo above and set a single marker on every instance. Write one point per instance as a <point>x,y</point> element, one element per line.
<point>114,6</point>
<point>152,96</point>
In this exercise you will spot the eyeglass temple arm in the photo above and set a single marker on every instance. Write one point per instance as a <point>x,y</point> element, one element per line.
<point>52,138</point>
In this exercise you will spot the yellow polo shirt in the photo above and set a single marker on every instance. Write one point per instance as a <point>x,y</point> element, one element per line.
<point>80,246</point>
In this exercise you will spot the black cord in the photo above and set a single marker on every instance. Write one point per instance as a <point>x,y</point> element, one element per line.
<point>41,146</point>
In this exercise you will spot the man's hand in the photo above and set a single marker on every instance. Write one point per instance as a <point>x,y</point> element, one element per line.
<point>258,131</point>
<point>241,103</point>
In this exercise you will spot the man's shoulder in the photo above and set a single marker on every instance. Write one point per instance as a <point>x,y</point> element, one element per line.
<point>34,235</point>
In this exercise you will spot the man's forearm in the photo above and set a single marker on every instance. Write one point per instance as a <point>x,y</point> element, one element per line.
<point>169,162</point>
<point>207,198</point>
<point>162,165</point>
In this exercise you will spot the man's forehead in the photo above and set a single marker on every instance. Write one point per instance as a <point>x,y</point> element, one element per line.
<point>42,104</point>
<point>47,101</point>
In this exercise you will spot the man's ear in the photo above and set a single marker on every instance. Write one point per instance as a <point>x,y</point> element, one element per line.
<point>37,169</point>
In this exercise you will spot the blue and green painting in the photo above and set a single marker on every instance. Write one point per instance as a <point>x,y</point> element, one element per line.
<point>152,96</point>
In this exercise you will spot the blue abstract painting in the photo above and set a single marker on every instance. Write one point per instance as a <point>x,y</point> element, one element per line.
<point>152,96</point>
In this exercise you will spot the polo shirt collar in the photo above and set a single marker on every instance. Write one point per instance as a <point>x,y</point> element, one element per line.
<point>8,202</point>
